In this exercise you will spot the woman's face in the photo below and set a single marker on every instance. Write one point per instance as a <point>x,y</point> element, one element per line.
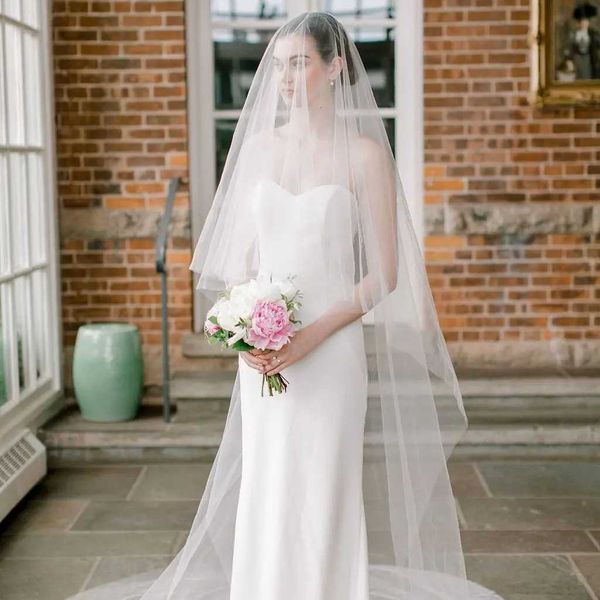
<point>296,62</point>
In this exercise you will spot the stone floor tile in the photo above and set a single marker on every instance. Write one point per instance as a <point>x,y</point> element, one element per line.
<point>541,479</point>
<point>129,515</point>
<point>42,516</point>
<point>88,544</point>
<point>596,537</point>
<point>530,513</point>
<point>589,567</point>
<point>42,579</point>
<point>547,577</point>
<point>98,482</point>
<point>381,549</point>
<point>520,542</point>
<point>172,482</point>
<point>111,521</point>
<point>111,568</point>
<point>465,481</point>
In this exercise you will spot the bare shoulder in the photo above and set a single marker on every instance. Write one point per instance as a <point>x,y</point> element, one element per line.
<point>368,153</point>
<point>258,141</point>
<point>253,142</point>
<point>375,168</point>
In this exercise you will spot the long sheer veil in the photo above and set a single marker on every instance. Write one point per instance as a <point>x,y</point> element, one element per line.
<point>311,120</point>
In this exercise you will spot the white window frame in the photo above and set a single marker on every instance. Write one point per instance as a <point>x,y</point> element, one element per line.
<point>32,405</point>
<point>202,116</point>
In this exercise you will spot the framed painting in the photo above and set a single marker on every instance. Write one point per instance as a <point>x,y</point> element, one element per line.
<point>566,52</point>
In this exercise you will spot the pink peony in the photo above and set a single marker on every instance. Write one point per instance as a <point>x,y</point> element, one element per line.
<point>271,327</point>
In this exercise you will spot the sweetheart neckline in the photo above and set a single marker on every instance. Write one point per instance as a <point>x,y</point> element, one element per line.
<point>306,192</point>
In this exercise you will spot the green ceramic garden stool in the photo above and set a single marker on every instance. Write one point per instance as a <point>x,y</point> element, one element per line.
<point>108,371</point>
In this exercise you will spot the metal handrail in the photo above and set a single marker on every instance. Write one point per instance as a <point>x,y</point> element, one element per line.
<point>161,267</point>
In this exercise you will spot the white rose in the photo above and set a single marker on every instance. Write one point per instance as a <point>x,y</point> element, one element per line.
<point>244,299</point>
<point>230,314</point>
<point>288,288</point>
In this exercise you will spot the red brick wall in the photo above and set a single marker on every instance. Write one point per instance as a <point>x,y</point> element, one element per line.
<point>512,245</point>
<point>512,271</point>
<point>119,71</point>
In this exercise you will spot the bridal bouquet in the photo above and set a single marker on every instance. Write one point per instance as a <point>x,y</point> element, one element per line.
<point>259,313</point>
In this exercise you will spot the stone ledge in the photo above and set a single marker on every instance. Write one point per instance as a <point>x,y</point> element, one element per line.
<point>103,223</point>
<point>512,219</point>
<point>70,438</point>
<point>558,357</point>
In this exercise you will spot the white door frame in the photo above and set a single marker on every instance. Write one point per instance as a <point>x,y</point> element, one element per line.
<point>407,112</point>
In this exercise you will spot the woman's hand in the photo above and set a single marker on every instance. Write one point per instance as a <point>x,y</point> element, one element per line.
<point>255,358</point>
<point>265,361</point>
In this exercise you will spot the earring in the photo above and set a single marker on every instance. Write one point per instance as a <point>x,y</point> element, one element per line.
<point>331,82</point>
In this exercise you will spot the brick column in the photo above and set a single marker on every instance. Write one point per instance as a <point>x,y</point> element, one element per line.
<point>119,71</point>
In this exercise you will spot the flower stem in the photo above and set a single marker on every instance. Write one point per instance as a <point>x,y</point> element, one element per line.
<point>275,382</point>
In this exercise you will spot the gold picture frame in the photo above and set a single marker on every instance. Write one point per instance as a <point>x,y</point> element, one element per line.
<point>562,75</point>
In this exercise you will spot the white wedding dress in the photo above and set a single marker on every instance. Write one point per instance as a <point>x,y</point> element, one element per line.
<point>297,530</point>
<point>300,529</point>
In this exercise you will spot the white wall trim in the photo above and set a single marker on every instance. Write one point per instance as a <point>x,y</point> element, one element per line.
<point>201,130</point>
<point>51,165</point>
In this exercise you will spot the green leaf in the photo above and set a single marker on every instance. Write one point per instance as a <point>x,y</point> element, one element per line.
<point>242,346</point>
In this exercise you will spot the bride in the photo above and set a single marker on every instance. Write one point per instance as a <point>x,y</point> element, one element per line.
<point>337,488</point>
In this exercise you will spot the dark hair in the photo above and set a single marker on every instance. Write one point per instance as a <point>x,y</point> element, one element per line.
<point>584,11</point>
<point>326,30</point>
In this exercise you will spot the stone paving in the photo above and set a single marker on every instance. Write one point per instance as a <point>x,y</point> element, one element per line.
<point>531,530</point>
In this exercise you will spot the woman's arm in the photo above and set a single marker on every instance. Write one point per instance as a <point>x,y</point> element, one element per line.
<point>377,205</point>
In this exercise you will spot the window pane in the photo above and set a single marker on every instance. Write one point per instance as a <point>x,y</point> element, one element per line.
<point>12,8</point>
<point>23,326</point>
<point>234,10</point>
<point>31,12</point>
<point>376,49</point>
<point>37,209</point>
<point>39,280</point>
<point>25,323</point>
<point>3,119</point>
<point>32,89</point>
<point>236,55</point>
<point>4,227</point>
<point>16,124</point>
<point>3,346</point>
<point>224,134</point>
<point>9,374</point>
<point>374,9</point>
<point>17,205</point>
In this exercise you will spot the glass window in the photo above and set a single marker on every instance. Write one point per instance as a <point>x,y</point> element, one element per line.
<point>27,324</point>
<point>224,133</point>
<point>235,10</point>
<point>237,53</point>
<point>366,9</point>
<point>14,86</point>
<point>376,49</point>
